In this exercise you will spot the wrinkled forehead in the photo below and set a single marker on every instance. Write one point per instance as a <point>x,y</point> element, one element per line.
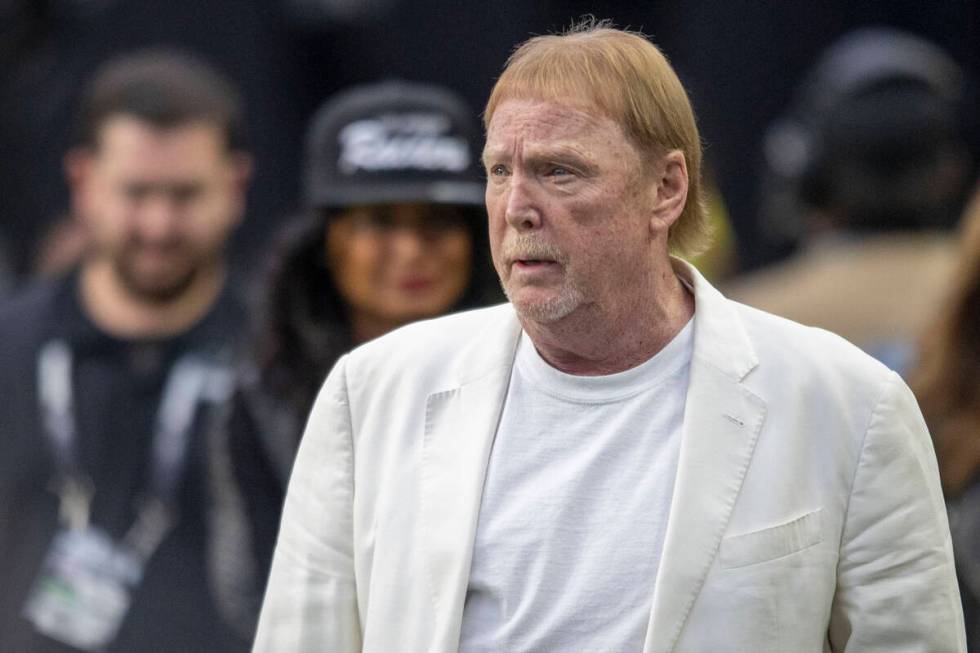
<point>535,120</point>
<point>573,112</point>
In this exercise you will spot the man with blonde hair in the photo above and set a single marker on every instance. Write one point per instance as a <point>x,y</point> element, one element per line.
<point>618,459</point>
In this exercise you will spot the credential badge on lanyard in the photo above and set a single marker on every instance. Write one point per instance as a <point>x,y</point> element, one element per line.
<point>83,591</point>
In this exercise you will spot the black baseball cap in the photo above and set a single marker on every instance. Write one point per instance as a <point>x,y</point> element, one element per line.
<point>393,142</point>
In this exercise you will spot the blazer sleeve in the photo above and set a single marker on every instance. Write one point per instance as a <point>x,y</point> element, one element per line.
<point>311,599</point>
<point>896,584</point>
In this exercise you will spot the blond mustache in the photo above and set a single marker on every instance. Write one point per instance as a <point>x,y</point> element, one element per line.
<point>525,247</point>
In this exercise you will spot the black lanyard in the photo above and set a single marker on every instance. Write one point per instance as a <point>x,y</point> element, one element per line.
<point>187,383</point>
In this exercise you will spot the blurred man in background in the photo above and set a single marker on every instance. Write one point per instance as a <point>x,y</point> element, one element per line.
<point>108,373</point>
<point>872,167</point>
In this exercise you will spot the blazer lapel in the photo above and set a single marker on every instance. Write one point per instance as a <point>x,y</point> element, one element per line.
<point>460,424</point>
<point>722,421</point>
<point>721,424</point>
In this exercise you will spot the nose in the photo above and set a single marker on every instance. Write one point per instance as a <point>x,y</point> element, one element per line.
<point>521,211</point>
<point>158,217</point>
<point>406,243</point>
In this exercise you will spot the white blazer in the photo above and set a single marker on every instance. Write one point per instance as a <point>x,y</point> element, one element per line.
<point>806,516</point>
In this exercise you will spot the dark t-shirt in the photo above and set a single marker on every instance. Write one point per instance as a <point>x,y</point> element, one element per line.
<point>117,386</point>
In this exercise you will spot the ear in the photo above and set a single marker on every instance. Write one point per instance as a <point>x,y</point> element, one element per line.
<point>670,179</point>
<point>240,166</point>
<point>77,165</point>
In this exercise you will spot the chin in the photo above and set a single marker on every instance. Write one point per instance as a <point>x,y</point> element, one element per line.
<point>159,289</point>
<point>545,310</point>
<point>157,282</point>
<point>423,305</point>
<point>429,314</point>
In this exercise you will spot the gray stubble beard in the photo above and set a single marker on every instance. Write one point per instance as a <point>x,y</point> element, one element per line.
<point>569,296</point>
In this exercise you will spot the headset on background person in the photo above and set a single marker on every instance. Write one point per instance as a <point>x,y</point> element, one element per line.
<point>845,140</point>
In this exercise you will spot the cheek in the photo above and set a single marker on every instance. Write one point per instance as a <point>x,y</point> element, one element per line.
<point>216,229</point>
<point>359,266</point>
<point>216,213</point>
<point>456,261</point>
<point>495,200</point>
<point>496,230</point>
<point>109,222</point>
<point>104,204</point>
<point>353,261</point>
<point>496,248</point>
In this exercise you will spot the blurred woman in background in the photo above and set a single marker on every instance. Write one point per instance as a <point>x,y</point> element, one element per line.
<point>395,232</point>
<point>947,383</point>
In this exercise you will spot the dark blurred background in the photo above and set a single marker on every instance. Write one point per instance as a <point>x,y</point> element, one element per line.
<point>740,61</point>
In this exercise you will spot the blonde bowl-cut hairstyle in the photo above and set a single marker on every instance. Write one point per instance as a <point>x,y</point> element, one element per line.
<point>624,77</point>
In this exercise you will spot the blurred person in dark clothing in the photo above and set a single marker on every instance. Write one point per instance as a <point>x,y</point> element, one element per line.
<point>873,166</point>
<point>109,374</point>
<point>394,231</point>
<point>947,384</point>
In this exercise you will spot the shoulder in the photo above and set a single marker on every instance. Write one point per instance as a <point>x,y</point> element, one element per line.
<point>23,313</point>
<point>224,327</point>
<point>26,321</point>
<point>770,352</point>
<point>768,331</point>
<point>812,362</point>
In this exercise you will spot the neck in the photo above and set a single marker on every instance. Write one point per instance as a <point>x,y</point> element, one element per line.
<point>118,311</point>
<point>596,340</point>
<point>368,327</point>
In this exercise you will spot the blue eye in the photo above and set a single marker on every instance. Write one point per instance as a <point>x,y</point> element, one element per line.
<point>498,170</point>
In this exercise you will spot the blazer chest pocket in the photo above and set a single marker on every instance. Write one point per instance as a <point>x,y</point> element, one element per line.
<point>771,543</point>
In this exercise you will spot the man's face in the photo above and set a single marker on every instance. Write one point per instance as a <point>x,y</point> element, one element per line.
<point>568,197</point>
<point>159,204</point>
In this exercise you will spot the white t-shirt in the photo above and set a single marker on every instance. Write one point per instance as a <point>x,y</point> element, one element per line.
<point>575,506</point>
